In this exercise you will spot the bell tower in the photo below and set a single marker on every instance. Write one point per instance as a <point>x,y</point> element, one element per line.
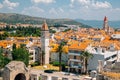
<point>45,42</point>
<point>105,25</point>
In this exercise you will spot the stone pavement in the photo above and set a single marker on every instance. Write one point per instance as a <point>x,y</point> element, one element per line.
<point>36,74</point>
<point>1,78</point>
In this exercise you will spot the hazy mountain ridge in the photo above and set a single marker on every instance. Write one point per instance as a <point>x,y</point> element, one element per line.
<point>13,18</point>
<point>99,23</point>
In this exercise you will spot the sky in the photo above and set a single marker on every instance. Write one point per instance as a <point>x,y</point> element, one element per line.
<point>73,9</point>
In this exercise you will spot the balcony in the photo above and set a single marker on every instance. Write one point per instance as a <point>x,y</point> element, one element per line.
<point>75,60</point>
<point>75,66</point>
<point>74,63</point>
<point>77,54</point>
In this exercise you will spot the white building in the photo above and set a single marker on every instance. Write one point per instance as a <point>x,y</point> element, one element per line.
<point>102,54</point>
<point>55,57</point>
<point>31,55</point>
<point>115,36</point>
<point>99,54</point>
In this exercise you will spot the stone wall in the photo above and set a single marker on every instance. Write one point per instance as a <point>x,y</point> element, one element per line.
<point>14,68</point>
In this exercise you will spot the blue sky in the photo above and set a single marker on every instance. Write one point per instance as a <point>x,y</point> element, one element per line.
<point>73,9</point>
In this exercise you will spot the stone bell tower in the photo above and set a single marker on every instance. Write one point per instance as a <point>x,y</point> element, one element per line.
<point>45,42</point>
<point>105,25</point>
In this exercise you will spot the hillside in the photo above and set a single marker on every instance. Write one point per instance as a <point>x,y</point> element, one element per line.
<point>13,18</point>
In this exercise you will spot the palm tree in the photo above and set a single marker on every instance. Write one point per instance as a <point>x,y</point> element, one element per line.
<point>86,56</point>
<point>60,50</point>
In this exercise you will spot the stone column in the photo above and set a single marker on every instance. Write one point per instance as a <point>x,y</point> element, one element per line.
<point>49,78</point>
<point>100,65</point>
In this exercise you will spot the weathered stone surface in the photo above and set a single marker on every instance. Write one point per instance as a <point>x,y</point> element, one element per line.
<point>15,68</point>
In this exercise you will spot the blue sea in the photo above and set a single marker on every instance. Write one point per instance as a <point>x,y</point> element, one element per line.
<point>99,24</point>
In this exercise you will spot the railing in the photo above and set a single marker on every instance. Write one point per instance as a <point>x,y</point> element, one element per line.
<point>75,60</point>
<point>74,54</point>
<point>75,66</point>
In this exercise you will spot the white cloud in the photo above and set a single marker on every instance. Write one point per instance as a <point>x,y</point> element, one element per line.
<point>33,10</point>
<point>1,5</point>
<point>102,4</point>
<point>61,10</point>
<point>84,2</point>
<point>90,4</point>
<point>92,9</point>
<point>53,11</point>
<point>9,4</point>
<point>117,9</point>
<point>56,11</point>
<point>36,9</point>
<point>81,2</point>
<point>43,1</point>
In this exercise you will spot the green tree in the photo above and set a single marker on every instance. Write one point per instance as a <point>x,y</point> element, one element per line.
<point>20,31</point>
<point>3,59</point>
<point>14,46</point>
<point>52,31</point>
<point>1,50</point>
<point>86,56</point>
<point>22,45</point>
<point>21,54</point>
<point>60,51</point>
<point>4,36</point>
<point>67,30</point>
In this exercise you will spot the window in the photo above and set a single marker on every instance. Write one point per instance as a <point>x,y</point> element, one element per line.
<point>114,61</point>
<point>114,55</point>
<point>31,53</point>
<point>31,58</point>
<point>75,51</point>
<point>34,78</point>
<point>95,49</point>
<point>74,57</point>
<point>103,50</point>
<point>107,58</point>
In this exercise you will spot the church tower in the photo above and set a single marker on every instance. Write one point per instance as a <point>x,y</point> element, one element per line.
<point>45,42</point>
<point>105,25</point>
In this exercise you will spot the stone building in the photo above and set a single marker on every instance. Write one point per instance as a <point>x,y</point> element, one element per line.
<point>45,42</point>
<point>15,70</point>
<point>106,27</point>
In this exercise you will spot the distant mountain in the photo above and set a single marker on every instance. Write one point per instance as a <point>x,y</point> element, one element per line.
<point>99,24</point>
<point>13,18</point>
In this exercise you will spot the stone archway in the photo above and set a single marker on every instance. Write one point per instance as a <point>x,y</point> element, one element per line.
<point>20,76</point>
<point>15,70</point>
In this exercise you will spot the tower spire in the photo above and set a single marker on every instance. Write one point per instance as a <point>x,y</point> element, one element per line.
<point>45,26</point>
<point>105,19</point>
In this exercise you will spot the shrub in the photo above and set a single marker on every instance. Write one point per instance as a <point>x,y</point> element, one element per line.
<point>35,64</point>
<point>56,63</point>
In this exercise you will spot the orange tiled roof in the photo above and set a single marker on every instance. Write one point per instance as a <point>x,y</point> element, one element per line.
<point>78,46</point>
